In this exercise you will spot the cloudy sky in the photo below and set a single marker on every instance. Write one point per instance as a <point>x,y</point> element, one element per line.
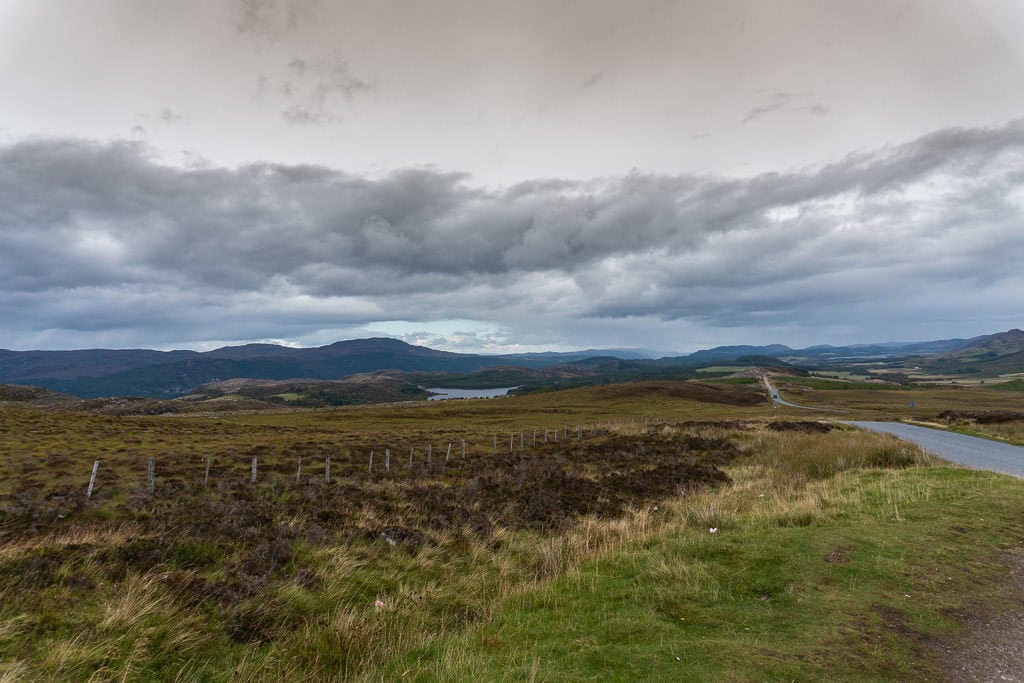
<point>499,176</point>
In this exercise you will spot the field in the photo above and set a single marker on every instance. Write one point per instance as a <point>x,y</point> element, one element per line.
<point>589,556</point>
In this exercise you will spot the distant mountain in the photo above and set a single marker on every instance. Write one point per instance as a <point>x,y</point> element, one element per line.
<point>178,373</point>
<point>1003,343</point>
<point>141,372</point>
<point>733,352</point>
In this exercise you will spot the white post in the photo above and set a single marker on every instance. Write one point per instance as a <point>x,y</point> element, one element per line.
<point>149,474</point>
<point>252,477</point>
<point>371,462</point>
<point>206,477</point>
<point>92,479</point>
<point>511,442</point>
<point>449,453</point>
<point>298,470</point>
<point>522,439</point>
<point>463,449</point>
<point>387,459</point>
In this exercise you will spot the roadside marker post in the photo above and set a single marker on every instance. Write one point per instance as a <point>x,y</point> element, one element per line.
<point>92,479</point>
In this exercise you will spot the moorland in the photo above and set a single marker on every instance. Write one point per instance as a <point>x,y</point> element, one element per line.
<point>657,530</point>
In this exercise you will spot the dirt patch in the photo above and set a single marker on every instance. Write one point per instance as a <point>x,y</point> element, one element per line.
<point>985,417</point>
<point>991,646</point>
<point>840,554</point>
<point>803,427</point>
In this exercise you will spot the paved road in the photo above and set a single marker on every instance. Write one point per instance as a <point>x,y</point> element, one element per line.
<point>971,451</point>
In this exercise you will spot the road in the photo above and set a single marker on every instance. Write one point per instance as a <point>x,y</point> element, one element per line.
<point>966,450</point>
<point>779,401</point>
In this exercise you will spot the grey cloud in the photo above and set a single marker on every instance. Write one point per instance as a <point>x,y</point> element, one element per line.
<point>314,91</point>
<point>100,236</point>
<point>785,101</point>
<point>271,19</point>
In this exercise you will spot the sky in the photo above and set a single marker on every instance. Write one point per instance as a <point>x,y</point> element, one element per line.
<point>493,177</point>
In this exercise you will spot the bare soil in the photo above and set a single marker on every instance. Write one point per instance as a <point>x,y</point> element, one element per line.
<point>991,646</point>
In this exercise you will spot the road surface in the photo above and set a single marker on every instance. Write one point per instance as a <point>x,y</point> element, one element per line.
<point>971,451</point>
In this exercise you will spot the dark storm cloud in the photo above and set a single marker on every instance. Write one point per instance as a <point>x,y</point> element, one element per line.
<point>100,236</point>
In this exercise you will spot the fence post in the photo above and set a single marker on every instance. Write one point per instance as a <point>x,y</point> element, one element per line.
<point>253,476</point>
<point>463,449</point>
<point>371,462</point>
<point>411,449</point>
<point>149,474</point>
<point>387,459</point>
<point>449,453</point>
<point>430,451</point>
<point>206,477</point>
<point>522,439</point>
<point>298,470</point>
<point>92,479</point>
<point>327,469</point>
<point>511,442</point>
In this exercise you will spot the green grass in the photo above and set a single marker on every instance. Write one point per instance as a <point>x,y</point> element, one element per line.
<point>1012,385</point>
<point>835,385</point>
<point>853,575</point>
<point>288,396</point>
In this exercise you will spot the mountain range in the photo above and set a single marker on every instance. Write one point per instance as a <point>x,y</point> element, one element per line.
<point>141,372</point>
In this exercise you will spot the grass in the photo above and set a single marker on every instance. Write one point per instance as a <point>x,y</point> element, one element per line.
<point>815,568</point>
<point>375,576</point>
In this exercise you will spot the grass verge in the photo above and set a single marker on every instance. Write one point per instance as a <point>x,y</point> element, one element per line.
<point>819,569</point>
